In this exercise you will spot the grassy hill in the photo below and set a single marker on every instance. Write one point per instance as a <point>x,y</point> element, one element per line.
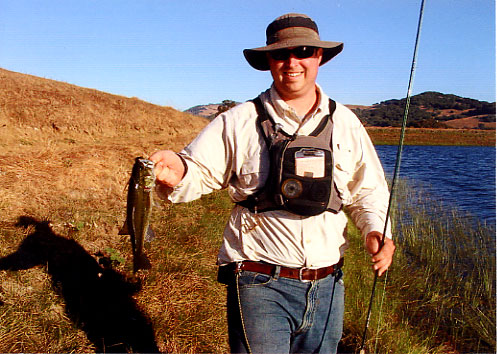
<point>207,110</point>
<point>36,103</point>
<point>65,157</point>
<point>431,110</point>
<point>60,138</point>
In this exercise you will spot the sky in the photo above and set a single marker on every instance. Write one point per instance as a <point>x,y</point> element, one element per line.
<point>187,53</point>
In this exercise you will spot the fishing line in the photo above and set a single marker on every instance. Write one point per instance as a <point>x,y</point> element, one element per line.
<point>397,166</point>
<point>380,313</point>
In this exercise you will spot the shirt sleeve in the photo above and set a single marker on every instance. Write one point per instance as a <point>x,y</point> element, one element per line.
<point>208,159</point>
<point>368,189</point>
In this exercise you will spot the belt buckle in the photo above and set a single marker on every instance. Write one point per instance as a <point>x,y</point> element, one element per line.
<point>238,267</point>
<point>300,275</point>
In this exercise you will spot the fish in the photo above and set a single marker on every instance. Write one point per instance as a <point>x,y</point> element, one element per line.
<point>138,211</point>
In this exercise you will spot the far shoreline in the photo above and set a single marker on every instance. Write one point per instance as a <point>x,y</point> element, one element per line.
<point>432,136</point>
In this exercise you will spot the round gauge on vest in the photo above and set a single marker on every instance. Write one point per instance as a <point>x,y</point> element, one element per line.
<point>291,188</point>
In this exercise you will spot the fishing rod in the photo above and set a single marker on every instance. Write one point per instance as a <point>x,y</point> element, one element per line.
<point>397,167</point>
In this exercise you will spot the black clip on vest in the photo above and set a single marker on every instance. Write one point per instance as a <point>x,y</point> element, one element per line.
<point>301,169</point>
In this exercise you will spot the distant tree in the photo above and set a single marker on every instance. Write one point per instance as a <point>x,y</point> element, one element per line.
<point>427,123</point>
<point>488,118</point>
<point>224,106</point>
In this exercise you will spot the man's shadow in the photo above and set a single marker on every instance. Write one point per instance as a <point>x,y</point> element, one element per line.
<point>98,299</point>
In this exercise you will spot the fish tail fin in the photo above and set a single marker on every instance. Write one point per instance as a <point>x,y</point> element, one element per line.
<point>124,229</point>
<point>141,262</point>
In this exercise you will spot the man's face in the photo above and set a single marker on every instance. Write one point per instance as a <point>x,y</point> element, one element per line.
<point>293,77</point>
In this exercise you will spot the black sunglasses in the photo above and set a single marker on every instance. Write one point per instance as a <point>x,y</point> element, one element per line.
<point>299,52</point>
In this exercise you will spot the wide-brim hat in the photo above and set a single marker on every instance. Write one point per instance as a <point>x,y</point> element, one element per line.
<point>287,31</point>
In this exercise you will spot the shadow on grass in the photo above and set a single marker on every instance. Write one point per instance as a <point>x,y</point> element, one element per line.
<point>98,299</point>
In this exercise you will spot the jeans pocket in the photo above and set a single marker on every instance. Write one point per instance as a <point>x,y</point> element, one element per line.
<point>252,279</point>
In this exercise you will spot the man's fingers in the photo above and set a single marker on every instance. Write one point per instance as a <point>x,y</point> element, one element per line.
<point>169,168</point>
<point>383,259</point>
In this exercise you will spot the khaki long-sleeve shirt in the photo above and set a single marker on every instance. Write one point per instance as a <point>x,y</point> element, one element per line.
<point>230,153</point>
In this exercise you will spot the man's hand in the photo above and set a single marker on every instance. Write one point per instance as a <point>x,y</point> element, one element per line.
<point>382,258</point>
<point>169,168</point>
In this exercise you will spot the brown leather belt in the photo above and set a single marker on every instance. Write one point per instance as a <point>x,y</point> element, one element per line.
<point>303,274</point>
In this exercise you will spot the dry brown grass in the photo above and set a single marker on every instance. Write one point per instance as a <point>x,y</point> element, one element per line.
<point>60,140</point>
<point>469,123</point>
<point>65,156</point>
<point>429,136</point>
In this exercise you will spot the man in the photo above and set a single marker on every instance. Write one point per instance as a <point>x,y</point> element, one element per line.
<point>284,243</point>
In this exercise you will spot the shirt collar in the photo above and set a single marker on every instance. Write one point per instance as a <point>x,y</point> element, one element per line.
<point>285,115</point>
<point>282,109</point>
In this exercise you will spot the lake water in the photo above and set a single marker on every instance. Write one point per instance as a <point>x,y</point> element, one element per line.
<point>459,176</point>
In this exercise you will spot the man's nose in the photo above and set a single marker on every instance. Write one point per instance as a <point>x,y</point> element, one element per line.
<point>292,60</point>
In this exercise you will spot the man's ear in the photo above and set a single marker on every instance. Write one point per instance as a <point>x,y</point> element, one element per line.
<point>320,54</point>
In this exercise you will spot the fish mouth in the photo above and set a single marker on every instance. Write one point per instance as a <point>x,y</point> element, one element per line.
<point>146,163</point>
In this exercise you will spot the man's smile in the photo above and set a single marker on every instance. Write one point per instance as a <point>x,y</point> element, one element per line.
<point>293,74</point>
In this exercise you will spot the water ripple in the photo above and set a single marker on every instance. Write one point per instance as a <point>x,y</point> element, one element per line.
<point>459,176</point>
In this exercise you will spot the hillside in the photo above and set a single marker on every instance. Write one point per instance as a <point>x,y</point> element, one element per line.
<point>66,154</point>
<point>60,138</point>
<point>211,111</point>
<point>431,110</point>
<point>30,101</point>
<point>204,110</point>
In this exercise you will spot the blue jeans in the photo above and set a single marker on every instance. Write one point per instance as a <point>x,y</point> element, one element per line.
<point>282,315</point>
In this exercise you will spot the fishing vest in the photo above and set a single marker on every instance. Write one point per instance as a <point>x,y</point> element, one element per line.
<point>301,169</point>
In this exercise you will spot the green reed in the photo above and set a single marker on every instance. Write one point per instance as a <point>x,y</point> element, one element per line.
<point>440,292</point>
<point>457,257</point>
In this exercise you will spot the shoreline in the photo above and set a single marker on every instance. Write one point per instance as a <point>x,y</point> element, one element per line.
<point>432,136</point>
